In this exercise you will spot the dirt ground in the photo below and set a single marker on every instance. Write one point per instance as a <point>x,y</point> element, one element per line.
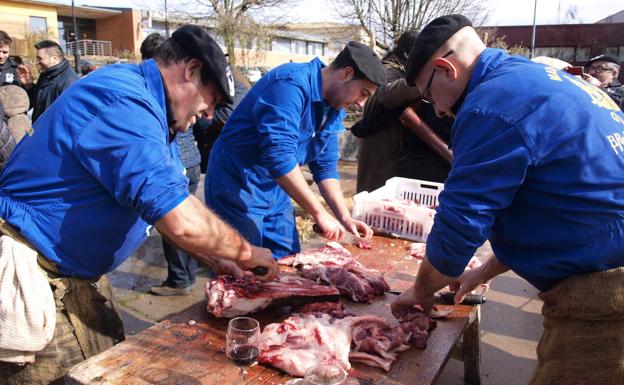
<point>511,323</point>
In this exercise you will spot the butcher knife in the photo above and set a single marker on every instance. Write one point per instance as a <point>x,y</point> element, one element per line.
<point>470,299</point>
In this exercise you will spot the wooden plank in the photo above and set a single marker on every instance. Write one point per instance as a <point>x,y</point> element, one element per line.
<point>175,352</point>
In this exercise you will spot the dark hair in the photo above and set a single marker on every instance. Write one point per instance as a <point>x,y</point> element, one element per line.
<point>5,39</point>
<point>150,44</point>
<point>404,44</point>
<point>50,46</point>
<point>170,52</point>
<point>343,61</point>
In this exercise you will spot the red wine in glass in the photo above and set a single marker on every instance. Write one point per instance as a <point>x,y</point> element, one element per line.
<point>243,355</point>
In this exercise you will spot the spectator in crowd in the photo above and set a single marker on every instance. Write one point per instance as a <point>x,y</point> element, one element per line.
<point>387,148</point>
<point>7,142</point>
<point>102,169</point>
<point>538,170</point>
<point>207,131</point>
<point>56,76</point>
<point>16,105</point>
<point>181,267</point>
<point>8,66</point>
<point>291,117</point>
<point>606,69</point>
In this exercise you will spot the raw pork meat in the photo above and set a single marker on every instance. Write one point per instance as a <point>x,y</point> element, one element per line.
<point>333,264</point>
<point>311,337</point>
<point>232,297</point>
<point>301,342</point>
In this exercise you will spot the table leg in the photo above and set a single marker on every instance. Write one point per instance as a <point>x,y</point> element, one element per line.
<point>471,352</point>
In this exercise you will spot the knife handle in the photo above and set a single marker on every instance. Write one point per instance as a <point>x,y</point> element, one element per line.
<point>469,299</point>
<point>259,270</point>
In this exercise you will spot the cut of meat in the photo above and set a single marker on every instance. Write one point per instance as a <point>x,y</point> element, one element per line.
<point>299,343</point>
<point>334,265</point>
<point>304,340</point>
<point>350,280</point>
<point>232,297</point>
<point>417,250</point>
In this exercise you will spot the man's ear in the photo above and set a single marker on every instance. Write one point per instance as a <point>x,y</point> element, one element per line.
<point>446,66</point>
<point>348,72</point>
<point>193,68</point>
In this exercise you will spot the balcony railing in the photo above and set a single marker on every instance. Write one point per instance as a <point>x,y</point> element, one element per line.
<point>89,48</point>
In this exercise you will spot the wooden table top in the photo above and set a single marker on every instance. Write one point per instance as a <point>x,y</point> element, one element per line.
<point>176,352</point>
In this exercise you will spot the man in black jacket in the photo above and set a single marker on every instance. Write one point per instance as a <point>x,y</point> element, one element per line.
<point>8,66</point>
<point>56,76</point>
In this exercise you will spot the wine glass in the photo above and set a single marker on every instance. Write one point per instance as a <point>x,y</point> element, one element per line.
<point>324,374</point>
<point>243,343</point>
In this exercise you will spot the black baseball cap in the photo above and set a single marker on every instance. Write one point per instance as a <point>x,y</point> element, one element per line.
<point>366,61</point>
<point>430,39</point>
<point>607,58</point>
<point>199,44</point>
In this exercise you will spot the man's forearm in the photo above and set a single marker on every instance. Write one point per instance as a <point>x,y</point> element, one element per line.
<point>194,228</point>
<point>332,193</point>
<point>492,267</point>
<point>297,188</point>
<point>429,280</point>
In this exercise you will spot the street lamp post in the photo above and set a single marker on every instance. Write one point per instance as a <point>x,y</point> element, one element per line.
<point>166,21</point>
<point>76,51</point>
<point>533,35</point>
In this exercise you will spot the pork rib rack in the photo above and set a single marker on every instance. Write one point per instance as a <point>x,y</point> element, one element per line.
<point>232,297</point>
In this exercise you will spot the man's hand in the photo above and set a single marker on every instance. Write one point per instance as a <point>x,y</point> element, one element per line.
<point>406,301</point>
<point>359,228</point>
<point>25,75</point>
<point>592,80</point>
<point>224,267</point>
<point>467,282</point>
<point>261,258</point>
<point>330,227</point>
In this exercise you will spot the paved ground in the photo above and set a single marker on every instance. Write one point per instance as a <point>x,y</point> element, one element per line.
<point>510,325</point>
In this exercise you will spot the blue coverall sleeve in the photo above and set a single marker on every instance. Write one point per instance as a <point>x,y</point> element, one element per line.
<point>124,147</point>
<point>490,162</point>
<point>277,114</point>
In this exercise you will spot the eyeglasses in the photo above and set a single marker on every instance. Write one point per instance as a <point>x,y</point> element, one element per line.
<point>598,69</point>
<point>426,95</point>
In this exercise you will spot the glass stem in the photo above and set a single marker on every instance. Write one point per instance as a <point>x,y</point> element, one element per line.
<point>241,375</point>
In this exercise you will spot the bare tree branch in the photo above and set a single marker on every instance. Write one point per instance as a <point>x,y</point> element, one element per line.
<point>388,19</point>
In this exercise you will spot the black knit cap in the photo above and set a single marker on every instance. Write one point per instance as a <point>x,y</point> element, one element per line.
<point>365,60</point>
<point>607,58</point>
<point>199,44</point>
<point>430,39</point>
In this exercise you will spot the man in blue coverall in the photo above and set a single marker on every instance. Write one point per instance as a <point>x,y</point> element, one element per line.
<point>538,169</point>
<point>102,169</point>
<point>291,117</point>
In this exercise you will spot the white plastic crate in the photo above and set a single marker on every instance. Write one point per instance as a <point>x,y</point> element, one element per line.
<point>413,222</point>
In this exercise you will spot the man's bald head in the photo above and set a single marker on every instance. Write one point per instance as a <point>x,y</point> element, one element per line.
<point>442,72</point>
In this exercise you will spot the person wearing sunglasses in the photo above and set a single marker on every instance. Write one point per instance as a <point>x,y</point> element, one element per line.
<point>538,170</point>
<point>606,69</point>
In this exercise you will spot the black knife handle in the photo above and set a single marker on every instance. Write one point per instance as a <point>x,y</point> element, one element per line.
<point>469,299</point>
<point>260,270</point>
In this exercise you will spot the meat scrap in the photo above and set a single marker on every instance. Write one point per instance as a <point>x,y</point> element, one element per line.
<point>334,265</point>
<point>232,297</point>
<point>308,339</point>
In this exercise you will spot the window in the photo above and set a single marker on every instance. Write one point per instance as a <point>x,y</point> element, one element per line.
<point>562,53</point>
<point>38,24</point>
<point>280,45</point>
<point>298,46</point>
<point>315,48</point>
<point>583,54</point>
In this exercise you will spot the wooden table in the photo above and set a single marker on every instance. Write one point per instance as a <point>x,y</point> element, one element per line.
<point>176,351</point>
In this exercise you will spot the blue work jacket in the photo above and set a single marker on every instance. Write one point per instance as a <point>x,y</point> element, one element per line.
<point>281,122</point>
<point>97,171</point>
<point>538,169</point>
